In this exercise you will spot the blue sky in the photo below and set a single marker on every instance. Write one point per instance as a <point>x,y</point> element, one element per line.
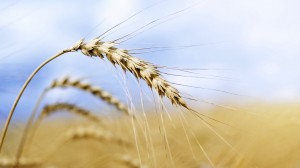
<point>256,43</point>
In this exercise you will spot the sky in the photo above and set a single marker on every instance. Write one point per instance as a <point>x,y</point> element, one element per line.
<point>249,48</point>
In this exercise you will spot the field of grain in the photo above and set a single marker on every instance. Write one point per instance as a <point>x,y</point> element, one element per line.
<point>268,138</point>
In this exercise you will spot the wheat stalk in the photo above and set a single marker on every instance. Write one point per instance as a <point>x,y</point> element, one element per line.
<point>96,91</point>
<point>11,112</point>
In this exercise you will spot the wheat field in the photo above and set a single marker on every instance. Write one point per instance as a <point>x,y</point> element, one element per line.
<point>93,100</point>
<point>270,140</point>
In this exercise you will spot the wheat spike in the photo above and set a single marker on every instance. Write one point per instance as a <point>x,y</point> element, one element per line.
<point>139,68</point>
<point>50,109</point>
<point>93,132</point>
<point>96,91</point>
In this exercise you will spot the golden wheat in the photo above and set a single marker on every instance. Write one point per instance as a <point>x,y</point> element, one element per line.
<point>72,108</point>
<point>96,91</point>
<point>139,68</point>
<point>64,83</point>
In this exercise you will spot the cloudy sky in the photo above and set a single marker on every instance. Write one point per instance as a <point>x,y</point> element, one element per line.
<point>248,47</point>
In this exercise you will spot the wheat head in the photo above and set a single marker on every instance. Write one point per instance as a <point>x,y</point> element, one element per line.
<point>94,132</point>
<point>50,109</point>
<point>96,91</point>
<point>139,68</point>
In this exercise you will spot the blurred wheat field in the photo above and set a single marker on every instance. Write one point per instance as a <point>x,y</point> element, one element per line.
<point>269,139</point>
<point>167,98</point>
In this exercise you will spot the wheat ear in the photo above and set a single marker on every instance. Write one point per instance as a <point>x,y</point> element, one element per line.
<point>93,132</point>
<point>47,111</point>
<point>139,68</point>
<point>50,109</point>
<point>72,108</point>
<point>96,91</point>
<point>88,132</point>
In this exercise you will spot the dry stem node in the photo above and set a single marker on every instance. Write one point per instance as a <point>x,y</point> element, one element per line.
<point>139,68</point>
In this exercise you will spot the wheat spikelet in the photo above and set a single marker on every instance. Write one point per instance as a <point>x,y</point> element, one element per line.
<point>93,132</point>
<point>139,68</point>
<point>6,162</point>
<point>50,109</point>
<point>96,91</point>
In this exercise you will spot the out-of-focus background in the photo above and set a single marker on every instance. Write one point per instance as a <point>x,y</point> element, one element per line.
<point>253,43</point>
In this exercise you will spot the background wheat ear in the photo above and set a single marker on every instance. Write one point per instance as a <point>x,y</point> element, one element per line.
<point>94,90</point>
<point>49,110</point>
<point>64,83</point>
<point>72,108</point>
<point>93,132</point>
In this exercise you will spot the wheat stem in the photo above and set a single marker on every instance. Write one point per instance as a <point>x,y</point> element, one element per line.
<point>27,127</point>
<point>4,131</point>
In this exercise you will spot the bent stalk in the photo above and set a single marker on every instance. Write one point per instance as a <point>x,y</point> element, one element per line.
<point>4,131</point>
